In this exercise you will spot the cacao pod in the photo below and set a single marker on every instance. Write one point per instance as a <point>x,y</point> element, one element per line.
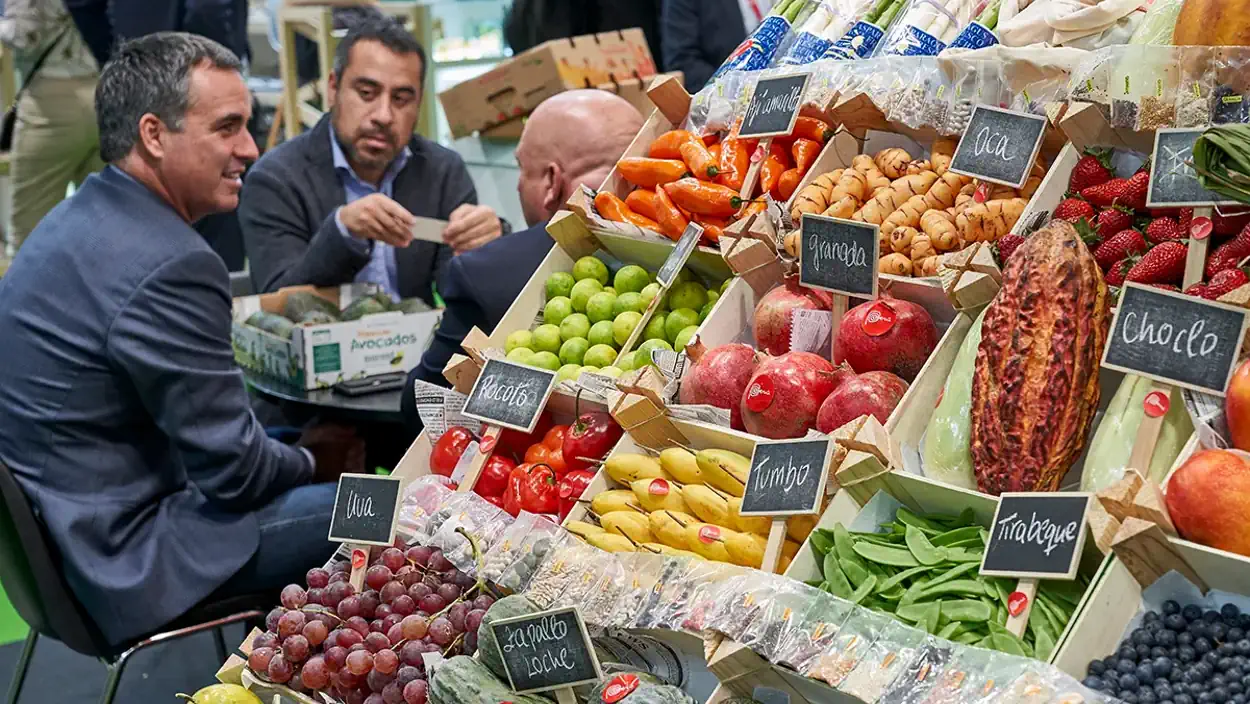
<point>1035,386</point>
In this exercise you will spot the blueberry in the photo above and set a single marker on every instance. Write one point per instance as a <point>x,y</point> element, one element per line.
<point>1151,616</point>
<point>1230,611</point>
<point>1127,652</point>
<point>1158,652</point>
<point>1218,631</point>
<point>1211,659</point>
<point>1171,607</point>
<point>1235,672</point>
<point>1239,699</point>
<point>1236,633</point>
<point>1226,649</point>
<point>1110,661</point>
<point>1202,646</point>
<point>1244,622</point>
<point>1211,616</point>
<point>1204,669</point>
<point>1145,696</point>
<point>1145,673</point>
<point>1219,694</point>
<point>1235,688</point>
<point>1206,698</point>
<point>1186,653</point>
<point>1125,666</point>
<point>1185,638</point>
<point>1162,666</point>
<point>1094,683</point>
<point>1224,665</point>
<point>1191,677</point>
<point>1165,638</point>
<point>1175,622</point>
<point>1155,626</point>
<point>1193,612</point>
<point>1176,675</point>
<point>1182,699</point>
<point>1243,647</point>
<point>1097,667</point>
<point>1163,691</point>
<point>1129,681</point>
<point>1128,698</point>
<point>1143,652</point>
<point>1141,636</point>
<point>1245,681</point>
<point>1217,681</point>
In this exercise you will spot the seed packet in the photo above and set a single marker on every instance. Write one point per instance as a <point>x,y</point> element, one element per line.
<point>887,85</point>
<point>963,97</point>
<point>1128,85</point>
<point>953,684</point>
<point>558,572</point>
<point>668,586</point>
<point>852,643</point>
<point>645,571</point>
<point>1157,105</point>
<point>709,596</point>
<point>422,499</point>
<point>911,92</point>
<point>789,601</point>
<point>1230,104</point>
<point>480,519</point>
<point>678,601</point>
<point>997,678</point>
<point>811,633</point>
<point>1090,82</point>
<point>1195,87</point>
<point>508,547</point>
<point>756,592</point>
<point>534,551</point>
<point>585,578</point>
<point>923,673</point>
<point>601,599</point>
<point>896,649</point>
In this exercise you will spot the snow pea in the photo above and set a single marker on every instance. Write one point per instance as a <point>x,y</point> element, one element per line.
<point>963,555</point>
<point>970,638</point>
<point>966,610</point>
<point>1044,644</point>
<point>883,555</point>
<point>898,579</point>
<point>912,612</point>
<point>856,574</point>
<point>906,517</point>
<point>845,546</point>
<point>954,573</point>
<point>863,590</point>
<point>921,548</point>
<point>821,541</point>
<point>1002,641</point>
<point>966,587</point>
<point>958,535</point>
<point>835,580</point>
<point>931,617</point>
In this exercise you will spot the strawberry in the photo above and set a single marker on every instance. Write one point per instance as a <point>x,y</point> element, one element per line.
<point>1185,219</point>
<point>1091,169</point>
<point>1119,246</point>
<point>1162,264</point>
<point>1006,245</point>
<point>1163,229</point>
<point>1167,287</point>
<point>1112,220</point>
<point>1225,281</point>
<point>1198,290</point>
<point>1229,254</point>
<point>1117,272</point>
<point>1135,191</point>
<point>1106,194</point>
<point>1225,225</point>
<point>1073,209</point>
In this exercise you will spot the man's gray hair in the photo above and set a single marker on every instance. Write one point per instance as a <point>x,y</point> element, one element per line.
<point>151,74</point>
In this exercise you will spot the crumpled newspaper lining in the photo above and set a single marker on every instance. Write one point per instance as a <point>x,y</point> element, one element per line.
<point>1206,411</point>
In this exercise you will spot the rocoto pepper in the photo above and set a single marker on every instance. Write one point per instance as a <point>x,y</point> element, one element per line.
<point>672,222</point>
<point>642,201</point>
<point>572,485</point>
<point>811,128</point>
<point>540,491</point>
<point>804,152</point>
<point>735,161</point>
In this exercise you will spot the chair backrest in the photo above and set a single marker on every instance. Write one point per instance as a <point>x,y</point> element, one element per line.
<point>30,569</point>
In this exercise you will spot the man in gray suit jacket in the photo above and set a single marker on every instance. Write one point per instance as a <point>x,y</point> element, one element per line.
<point>122,413</point>
<point>336,204</point>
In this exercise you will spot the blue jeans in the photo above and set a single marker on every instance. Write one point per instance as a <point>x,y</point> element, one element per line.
<point>293,539</point>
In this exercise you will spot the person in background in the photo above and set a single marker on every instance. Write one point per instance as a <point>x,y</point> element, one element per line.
<point>337,204</point>
<point>55,142</point>
<point>478,287</point>
<point>122,413</point>
<point>698,35</point>
<point>532,22</point>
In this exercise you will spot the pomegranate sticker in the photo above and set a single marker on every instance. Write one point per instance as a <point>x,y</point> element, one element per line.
<point>488,444</point>
<point>1200,228</point>
<point>760,394</point>
<point>1016,603</point>
<point>709,534</point>
<point>879,320</point>
<point>1156,403</point>
<point>620,687</point>
<point>658,487</point>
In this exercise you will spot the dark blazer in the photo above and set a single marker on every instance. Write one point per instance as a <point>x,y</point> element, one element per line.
<point>478,288</point>
<point>122,412</point>
<point>698,35</point>
<point>287,213</point>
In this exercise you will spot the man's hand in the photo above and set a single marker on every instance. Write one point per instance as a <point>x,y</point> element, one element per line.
<point>336,449</point>
<point>471,226</point>
<point>377,217</point>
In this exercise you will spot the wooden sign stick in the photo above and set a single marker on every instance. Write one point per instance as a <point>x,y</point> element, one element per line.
<point>1148,432</point>
<point>840,303</point>
<point>1016,624</point>
<point>1196,257</point>
<point>753,173</point>
<point>565,695</point>
<point>772,550</point>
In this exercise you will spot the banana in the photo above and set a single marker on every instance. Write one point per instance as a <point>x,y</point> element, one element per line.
<point>724,470</point>
<point>682,464</point>
<point>708,540</point>
<point>626,468</point>
<point>745,549</point>
<point>582,528</point>
<point>750,524</point>
<point>611,542</point>
<point>659,495</point>
<point>613,500</point>
<point>669,527</point>
<point>709,506</point>
<point>630,524</point>
<point>798,527</point>
<point>662,549</point>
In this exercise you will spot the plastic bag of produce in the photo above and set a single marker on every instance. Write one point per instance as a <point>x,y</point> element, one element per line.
<point>945,448</point>
<point>764,634</point>
<point>1091,80</point>
<point>923,673</point>
<point>508,547</point>
<point>852,643</point>
<point>1159,23</point>
<point>755,594</point>
<point>1232,92</point>
<point>1109,452</point>
<point>953,684</point>
<point>913,93</point>
<point>539,545</point>
<point>926,28</point>
<point>963,97</point>
<point>826,24</point>
<point>480,519</point>
<point>709,596</point>
<point>657,599</point>
<point>892,655</point>
<point>808,635</point>
<point>422,499</point>
<point>1196,87</point>
<point>645,571</point>
<point>677,602</point>
<point>585,579</point>
<point>558,572</point>
<point>601,600</point>
<point>993,682</point>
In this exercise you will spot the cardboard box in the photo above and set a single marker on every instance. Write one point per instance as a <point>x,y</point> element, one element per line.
<point>320,356</point>
<point>515,87</point>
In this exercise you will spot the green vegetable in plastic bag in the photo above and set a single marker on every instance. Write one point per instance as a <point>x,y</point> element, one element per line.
<point>946,451</point>
<point>1113,440</point>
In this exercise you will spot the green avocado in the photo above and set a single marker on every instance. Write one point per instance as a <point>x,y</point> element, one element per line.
<point>300,303</point>
<point>271,323</point>
<point>361,307</point>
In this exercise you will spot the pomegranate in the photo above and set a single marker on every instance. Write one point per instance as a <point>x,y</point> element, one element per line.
<point>888,335</point>
<point>784,395</point>
<point>772,314</point>
<point>719,377</point>
<point>871,393</point>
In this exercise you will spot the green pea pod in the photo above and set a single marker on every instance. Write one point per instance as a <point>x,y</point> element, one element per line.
<point>863,590</point>
<point>1044,646</point>
<point>1002,590</point>
<point>883,555</point>
<point>1007,643</point>
<point>821,542</point>
<point>931,617</point>
<point>912,612</point>
<point>966,610</point>
<point>954,573</point>
<point>888,539</point>
<point>921,548</point>
<point>912,595</point>
<point>1069,593</point>
<point>957,535</point>
<point>973,543</point>
<point>967,518</point>
<point>908,518</point>
<point>969,638</point>
<point>898,579</point>
<point>844,545</point>
<point>837,584</point>
<point>963,555</point>
<point>985,535</point>
<point>966,587</point>
<point>1000,614</point>
<point>953,630</point>
<point>856,574</point>
<point>813,582</point>
<point>1053,624</point>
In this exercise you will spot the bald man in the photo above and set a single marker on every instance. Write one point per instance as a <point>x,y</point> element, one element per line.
<point>571,139</point>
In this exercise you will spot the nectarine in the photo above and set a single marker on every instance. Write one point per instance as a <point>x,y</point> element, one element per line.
<point>1237,406</point>
<point>1208,498</point>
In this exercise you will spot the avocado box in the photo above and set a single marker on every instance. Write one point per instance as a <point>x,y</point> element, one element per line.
<point>346,333</point>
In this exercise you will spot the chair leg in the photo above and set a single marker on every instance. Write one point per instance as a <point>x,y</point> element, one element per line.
<point>114,676</point>
<point>23,664</point>
<point>219,640</point>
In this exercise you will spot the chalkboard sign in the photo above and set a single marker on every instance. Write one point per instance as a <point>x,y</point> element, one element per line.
<point>1174,338</point>
<point>547,650</point>
<point>774,106</point>
<point>787,478</point>
<point>365,509</point>
<point>839,255</point>
<point>1036,535</point>
<point>510,395</point>
<point>1173,181</point>
<point>680,254</point>
<point>999,145</point>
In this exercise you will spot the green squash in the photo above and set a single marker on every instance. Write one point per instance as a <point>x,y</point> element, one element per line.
<point>463,680</point>
<point>487,648</point>
<point>298,305</point>
<point>271,323</point>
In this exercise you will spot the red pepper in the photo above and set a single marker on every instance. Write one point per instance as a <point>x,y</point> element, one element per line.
<point>571,488</point>
<point>590,438</point>
<point>448,449</point>
<point>494,477</point>
<point>516,442</point>
<point>512,493</point>
<point>495,500</point>
<point>540,492</point>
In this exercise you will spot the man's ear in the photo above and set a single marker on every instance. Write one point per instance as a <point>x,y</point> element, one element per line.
<point>554,196</point>
<point>151,131</point>
<point>332,88</point>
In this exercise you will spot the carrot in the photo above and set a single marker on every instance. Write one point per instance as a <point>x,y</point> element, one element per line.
<point>811,128</point>
<point>615,209</point>
<point>703,198</point>
<point>699,159</point>
<point>642,202</point>
<point>805,152</point>
<point>713,227</point>
<point>666,146</point>
<point>649,173</point>
<point>735,161</point>
<point>672,222</point>
<point>788,182</point>
<point>715,150</point>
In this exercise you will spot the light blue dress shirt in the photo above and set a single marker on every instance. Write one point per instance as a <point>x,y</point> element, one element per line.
<point>381,269</point>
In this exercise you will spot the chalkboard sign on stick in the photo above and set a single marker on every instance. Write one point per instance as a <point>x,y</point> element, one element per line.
<point>839,255</point>
<point>547,650</point>
<point>1037,535</point>
<point>681,253</point>
<point>1173,181</point>
<point>774,106</point>
<point>365,509</point>
<point>510,395</point>
<point>787,478</point>
<point>999,145</point>
<point>1174,338</point>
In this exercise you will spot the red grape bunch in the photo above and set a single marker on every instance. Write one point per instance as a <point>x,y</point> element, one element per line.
<point>367,648</point>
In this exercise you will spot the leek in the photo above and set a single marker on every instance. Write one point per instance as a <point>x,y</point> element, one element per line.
<point>1222,161</point>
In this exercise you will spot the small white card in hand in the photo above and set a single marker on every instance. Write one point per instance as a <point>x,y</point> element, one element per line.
<point>428,229</point>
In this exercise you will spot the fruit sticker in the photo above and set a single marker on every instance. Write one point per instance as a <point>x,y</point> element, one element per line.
<point>658,487</point>
<point>359,558</point>
<point>1156,403</point>
<point>488,444</point>
<point>760,394</point>
<point>879,320</point>
<point>1200,228</point>
<point>620,687</point>
<point>1016,603</point>
<point>709,534</point>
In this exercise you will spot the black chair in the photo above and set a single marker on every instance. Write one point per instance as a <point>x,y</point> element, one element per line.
<point>31,574</point>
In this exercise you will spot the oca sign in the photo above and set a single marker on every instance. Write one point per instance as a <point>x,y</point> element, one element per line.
<point>999,145</point>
